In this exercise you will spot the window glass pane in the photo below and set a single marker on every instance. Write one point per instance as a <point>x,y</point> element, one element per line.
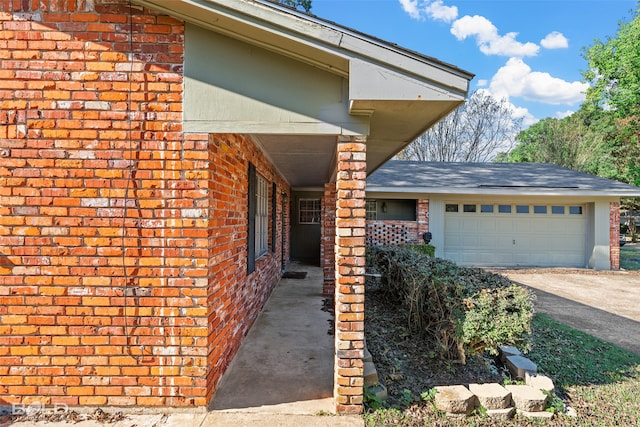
<point>309,211</point>
<point>451,208</point>
<point>557,210</point>
<point>504,208</point>
<point>469,208</point>
<point>486,208</point>
<point>522,209</point>
<point>371,208</point>
<point>262,215</point>
<point>575,210</point>
<point>540,209</point>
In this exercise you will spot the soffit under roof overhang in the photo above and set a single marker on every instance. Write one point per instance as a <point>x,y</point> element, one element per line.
<point>400,93</point>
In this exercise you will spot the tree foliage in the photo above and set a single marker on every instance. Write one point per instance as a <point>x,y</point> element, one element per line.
<point>475,132</point>
<point>298,4</point>
<point>614,70</point>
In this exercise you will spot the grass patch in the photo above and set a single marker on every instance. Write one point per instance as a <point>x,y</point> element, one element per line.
<point>599,380</point>
<point>630,257</point>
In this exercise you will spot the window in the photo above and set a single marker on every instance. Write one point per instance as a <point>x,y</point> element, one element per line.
<point>504,209</point>
<point>469,208</point>
<point>262,215</point>
<point>575,210</point>
<point>258,217</point>
<point>539,209</point>
<point>451,208</point>
<point>371,208</point>
<point>486,208</point>
<point>309,211</point>
<point>522,209</point>
<point>557,210</point>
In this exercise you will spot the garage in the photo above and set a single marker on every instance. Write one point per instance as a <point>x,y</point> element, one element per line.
<point>508,214</point>
<point>515,234</point>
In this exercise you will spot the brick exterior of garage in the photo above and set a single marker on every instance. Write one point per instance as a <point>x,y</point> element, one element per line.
<point>102,196</point>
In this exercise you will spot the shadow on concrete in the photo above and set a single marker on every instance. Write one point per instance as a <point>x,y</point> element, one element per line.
<point>285,364</point>
<point>618,330</point>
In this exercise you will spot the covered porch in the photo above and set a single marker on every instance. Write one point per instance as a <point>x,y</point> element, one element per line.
<point>325,105</point>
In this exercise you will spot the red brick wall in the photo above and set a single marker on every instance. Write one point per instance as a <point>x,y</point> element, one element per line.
<point>102,195</point>
<point>614,235</point>
<point>328,236</point>
<point>422,216</point>
<point>235,299</point>
<point>395,232</point>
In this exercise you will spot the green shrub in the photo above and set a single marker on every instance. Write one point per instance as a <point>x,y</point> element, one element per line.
<point>462,311</point>
<point>423,249</point>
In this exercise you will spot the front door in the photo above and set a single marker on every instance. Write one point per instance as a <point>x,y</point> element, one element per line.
<point>306,210</point>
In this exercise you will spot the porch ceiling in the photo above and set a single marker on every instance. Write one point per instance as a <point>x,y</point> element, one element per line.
<point>309,160</point>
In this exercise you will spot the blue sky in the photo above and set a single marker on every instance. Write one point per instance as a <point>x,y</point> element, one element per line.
<point>528,51</point>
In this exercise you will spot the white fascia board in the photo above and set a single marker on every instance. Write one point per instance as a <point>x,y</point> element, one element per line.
<point>369,81</point>
<point>499,192</point>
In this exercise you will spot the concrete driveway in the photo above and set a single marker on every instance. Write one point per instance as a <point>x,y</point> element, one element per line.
<point>605,304</point>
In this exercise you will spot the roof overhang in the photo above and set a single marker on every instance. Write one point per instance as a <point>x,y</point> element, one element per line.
<point>421,192</point>
<point>397,93</point>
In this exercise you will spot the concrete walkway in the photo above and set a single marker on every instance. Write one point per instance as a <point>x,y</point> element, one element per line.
<point>282,376</point>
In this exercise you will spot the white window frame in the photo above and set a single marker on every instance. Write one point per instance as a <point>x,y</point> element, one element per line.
<point>309,211</point>
<point>371,209</point>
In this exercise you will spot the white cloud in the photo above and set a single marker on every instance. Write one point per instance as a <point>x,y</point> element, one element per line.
<point>488,39</point>
<point>522,113</point>
<point>563,114</point>
<point>437,11</point>
<point>516,79</point>
<point>483,83</point>
<point>411,7</point>
<point>554,40</point>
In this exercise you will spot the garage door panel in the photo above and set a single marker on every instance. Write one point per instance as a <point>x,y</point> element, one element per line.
<point>498,239</point>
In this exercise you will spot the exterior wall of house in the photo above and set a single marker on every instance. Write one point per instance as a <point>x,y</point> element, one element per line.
<point>614,235</point>
<point>396,232</point>
<point>102,196</point>
<point>601,256</point>
<point>235,298</point>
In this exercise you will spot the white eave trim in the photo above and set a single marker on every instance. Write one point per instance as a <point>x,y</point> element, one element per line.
<point>519,191</point>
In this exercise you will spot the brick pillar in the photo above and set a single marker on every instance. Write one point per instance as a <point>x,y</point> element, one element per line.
<point>328,233</point>
<point>350,268</point>
<point>422,217</point>
<point>614,235</point>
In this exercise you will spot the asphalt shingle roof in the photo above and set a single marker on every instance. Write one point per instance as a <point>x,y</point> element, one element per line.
<point>487,178</point>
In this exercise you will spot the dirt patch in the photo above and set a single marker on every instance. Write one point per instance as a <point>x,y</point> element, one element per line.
<point>405,362</point>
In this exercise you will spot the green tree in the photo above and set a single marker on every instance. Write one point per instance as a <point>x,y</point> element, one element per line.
<point>614,76</point>
<point>614,70</point>
<point>302,4</point>
<point>568,142</point>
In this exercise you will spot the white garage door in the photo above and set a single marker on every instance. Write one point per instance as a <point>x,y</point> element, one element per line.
<point>515,234</point>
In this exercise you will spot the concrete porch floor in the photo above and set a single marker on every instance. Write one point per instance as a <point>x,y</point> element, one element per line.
<point>283,371</point>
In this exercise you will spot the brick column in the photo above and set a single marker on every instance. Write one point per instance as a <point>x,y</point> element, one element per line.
<point>422,217</point>
<point>350,267</point>
<point>614,235</point>
<point>328,233</point>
